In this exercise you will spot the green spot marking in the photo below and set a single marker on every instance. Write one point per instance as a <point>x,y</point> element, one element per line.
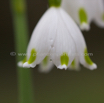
<point>32,56</point>
<point>45,61</point>
<point>103,16</point>
<point>24,60</point>
<point>55,3</point>
<point>64,59</point>
<point>73,63</point>
<point>83,16</point>
<point>87,58</point>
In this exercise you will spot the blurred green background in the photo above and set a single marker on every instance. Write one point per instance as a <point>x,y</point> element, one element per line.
<point>58,86</point>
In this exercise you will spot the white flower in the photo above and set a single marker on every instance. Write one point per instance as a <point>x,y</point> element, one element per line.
<point>58,37</point>
<point>99,12</point>
<point>80,11</point>
<point>85,11</point>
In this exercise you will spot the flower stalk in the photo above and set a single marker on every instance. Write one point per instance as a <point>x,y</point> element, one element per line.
<point>55,3</point>
<point>18,8</point>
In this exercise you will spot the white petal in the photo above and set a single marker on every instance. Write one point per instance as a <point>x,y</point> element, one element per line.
<point>85,26</point>
<point>63,44</point>
<point>78,39</point>
<point>27,65</point>
<point>43,36</point>
<point>99,12</point>
<point>20,64</point>
<point>75,64</point>
<point>73,7</point>
<point>62,67</point>
<point>46,65</point>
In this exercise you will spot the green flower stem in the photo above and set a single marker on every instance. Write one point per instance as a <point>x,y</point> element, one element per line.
<point>18,8</point>
<point>55,3</point>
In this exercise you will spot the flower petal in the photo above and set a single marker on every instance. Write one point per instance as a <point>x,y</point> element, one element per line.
<point>46,65</point>
<point>99,12</point>
<point>63,49</point>
<point>20,64</point>
<point>80,11</point>
<point>78,39</point>
<point>42,38</point>
<point>75,65</point>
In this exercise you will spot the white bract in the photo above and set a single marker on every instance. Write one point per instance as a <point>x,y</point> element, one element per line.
<point>99,12</point>
<point>56,40</point>
<point>85,11</point>
<point>80,11</point>
<point>46,65</point>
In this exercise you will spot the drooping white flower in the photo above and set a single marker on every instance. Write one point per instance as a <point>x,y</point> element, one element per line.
<point>80,11</point>
<point>99,12</point>
<point>85,11</point>
<point>58,38</point>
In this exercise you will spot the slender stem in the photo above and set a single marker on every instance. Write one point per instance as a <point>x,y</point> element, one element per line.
<point>18,8</point>
<point>55,3</point>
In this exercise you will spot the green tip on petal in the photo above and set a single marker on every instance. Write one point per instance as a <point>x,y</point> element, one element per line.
<point>87,58</point>
<point>73,63</point>
<point>32,56</point>
<point>64,59</point>
<point>55,3</point>
<point>83,16</point>
<point>103,17</point>
<point>45,61</point>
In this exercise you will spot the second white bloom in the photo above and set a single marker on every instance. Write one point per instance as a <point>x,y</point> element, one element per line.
<point>84,12</point>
